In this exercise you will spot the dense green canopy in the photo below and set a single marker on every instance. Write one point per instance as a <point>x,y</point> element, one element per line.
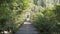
<point>12,13</point>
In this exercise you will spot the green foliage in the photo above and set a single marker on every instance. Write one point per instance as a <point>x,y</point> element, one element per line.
<point>35,2</point>
<point>57,12</point>
<point>45,21</point>
<point>12,14</point>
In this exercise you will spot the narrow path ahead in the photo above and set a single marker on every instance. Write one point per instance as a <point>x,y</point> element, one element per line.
<point>27,28</point>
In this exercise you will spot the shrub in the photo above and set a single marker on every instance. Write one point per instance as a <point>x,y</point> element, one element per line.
<point>45,21</point>
<point>12,14</point>
<point>57,12</point>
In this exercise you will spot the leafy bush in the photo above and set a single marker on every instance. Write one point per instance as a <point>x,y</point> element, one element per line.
<point>57,12</point>
<point>45,21</point>
<point>12,14</point>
